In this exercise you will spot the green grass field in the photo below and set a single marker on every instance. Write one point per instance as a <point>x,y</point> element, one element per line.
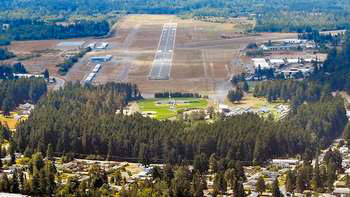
<point>163,111</point>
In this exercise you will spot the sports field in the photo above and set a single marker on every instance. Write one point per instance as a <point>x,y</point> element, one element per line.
<point>161,109</point>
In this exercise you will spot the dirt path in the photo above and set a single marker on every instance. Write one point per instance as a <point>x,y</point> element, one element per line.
<point>129,57</point>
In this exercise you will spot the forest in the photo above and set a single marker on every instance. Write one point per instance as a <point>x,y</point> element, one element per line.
<point>68,63</point>
<point>336,69</point>
<point>18,91</point>
<point>15,91</point>
<point>39,30</point>
<point>82,119</point>
<point>270,15</point>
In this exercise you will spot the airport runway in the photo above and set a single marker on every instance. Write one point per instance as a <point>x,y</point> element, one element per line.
<point>163,58</point>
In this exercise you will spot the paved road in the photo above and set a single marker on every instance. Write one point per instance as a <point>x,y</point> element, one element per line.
<point>163,58</point>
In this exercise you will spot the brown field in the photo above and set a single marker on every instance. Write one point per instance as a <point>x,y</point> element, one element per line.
<point>203,61</point>
<point>38,55</point>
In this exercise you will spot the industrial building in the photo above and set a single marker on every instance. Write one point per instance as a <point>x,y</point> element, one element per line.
<point>101,58</point>
<point>97,68</point>
<point>260,62</point>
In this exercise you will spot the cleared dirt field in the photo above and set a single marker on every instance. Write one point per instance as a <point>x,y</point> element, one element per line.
<point>41,54</point>
<point>203,60</point>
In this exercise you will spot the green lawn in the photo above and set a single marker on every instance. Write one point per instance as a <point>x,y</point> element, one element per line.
<point>163,111</point>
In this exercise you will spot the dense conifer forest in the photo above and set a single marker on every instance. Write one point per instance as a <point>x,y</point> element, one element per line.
<point>19,91</point>
<point>39,30</point>
<point>270,15</point>
<point>82,119</point>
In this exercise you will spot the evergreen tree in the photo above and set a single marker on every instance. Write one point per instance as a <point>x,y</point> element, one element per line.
<point>46,74</point>
<point>7,105</point>
<point>290,182</point>
<point>180,185</point>
<point>144,154</point>
<point>300,183</point>
<point>245,87</point>
<point>49,152</point>
<point>37,162</point>
<point>4,183</point>
<point>50,171</point>
<point>260,185</point>
<point>240,171</point>
<point>238,190</point>
<point>220,184</point>
<point>14,183</point>
<point>230,176</point>
<point>11,151</point>
<point>201,163</point>
<point>275,189</point>
<point>316,179</point>
<point>213,163</point>
<point>156,173</point>
<point>197,186</point>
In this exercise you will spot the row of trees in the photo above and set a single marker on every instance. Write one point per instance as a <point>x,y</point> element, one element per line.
<point>272,15</point>
<point>68,63</point>
<point>39,30</point>
<point>5,54</point>
<point>235,95</point>
<point>290,90</point>
<point>176,95</point>
<point>300,21</point>
<point>7,71</point>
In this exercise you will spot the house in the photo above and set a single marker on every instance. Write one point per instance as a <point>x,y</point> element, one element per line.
<point>11,195</point>
<point>19,75</point>
<point>278,48</point>
<point>26,106</point>
<point>103,45</point>
<point>310,45</point>
<point>292,61</point>
<point>91,45</point>
<point>253,194</point>
<point>277,62</point>
<point>89,77</point>
<point>341,192</point>
<point>97,68</point>
<point>260,62</point>
<point>285,163</point>
<point>294,41</point>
